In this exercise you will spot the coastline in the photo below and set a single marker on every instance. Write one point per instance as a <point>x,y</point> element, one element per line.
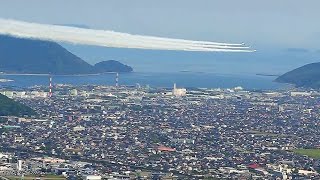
<point>153,79</point>
<point>35,74</point>
<point>6,80</point>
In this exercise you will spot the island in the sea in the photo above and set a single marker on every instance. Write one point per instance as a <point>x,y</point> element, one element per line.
<point>31,56</point>
<point>111,66</point>
<point>269,75</point>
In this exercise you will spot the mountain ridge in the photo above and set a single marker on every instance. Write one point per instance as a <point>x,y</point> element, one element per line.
<point>304,76</point>
<point>112,66</point>
<point>31,56</point>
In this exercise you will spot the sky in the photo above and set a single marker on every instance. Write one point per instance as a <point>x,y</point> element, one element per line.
<point>274,22</point>
<point>264,25</point>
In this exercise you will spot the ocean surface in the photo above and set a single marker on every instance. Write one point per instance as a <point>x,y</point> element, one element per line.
<point>183,79</point>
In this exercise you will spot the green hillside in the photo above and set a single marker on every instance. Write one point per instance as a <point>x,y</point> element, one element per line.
<point>8,107</point>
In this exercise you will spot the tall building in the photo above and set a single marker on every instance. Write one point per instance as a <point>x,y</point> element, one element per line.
<point>50,87</point>
<point>117,79</point>
<point>19,165</point>
<point>178,91</point>
<point>280,108</point>
<point>92,177</point>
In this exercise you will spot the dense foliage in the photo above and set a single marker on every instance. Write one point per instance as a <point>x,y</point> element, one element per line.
<point>8,107</point>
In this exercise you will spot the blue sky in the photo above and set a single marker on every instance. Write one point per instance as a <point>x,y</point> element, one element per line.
<point>265,25</point>
<point>285,22</point>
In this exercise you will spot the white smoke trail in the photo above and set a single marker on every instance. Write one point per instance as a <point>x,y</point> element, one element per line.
<point>110,38</point>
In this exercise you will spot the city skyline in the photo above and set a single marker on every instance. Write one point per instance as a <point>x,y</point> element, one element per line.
<point>161,90</point>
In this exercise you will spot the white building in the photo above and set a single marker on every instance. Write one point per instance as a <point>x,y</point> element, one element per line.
<point>21,94</point>
<point>4,156</point>
<point>300,94</point>
<point>19,165</point>
<point>238,88</point>
<point>178,91</point>
<point>79,128</point>
<point>9,94</point>
<point>92,177</point>
<point>74,92</point>
<point>38,94</point>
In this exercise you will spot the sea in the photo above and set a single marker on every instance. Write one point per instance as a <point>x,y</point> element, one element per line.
<point>151,79</point>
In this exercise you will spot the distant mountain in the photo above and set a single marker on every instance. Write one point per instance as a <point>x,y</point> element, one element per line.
<point>112,66</point>
<point>305,76</point>
<point>298,50</point>
<point>39,57</point>
<point>26,56</point>
<point>8,107</point>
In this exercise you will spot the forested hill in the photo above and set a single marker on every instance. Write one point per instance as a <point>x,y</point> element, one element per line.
<point>305,76</point>
<point>9,107</point>
<point>30,56</point>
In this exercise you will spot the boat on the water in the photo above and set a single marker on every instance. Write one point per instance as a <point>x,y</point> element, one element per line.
<point>6,80</point>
